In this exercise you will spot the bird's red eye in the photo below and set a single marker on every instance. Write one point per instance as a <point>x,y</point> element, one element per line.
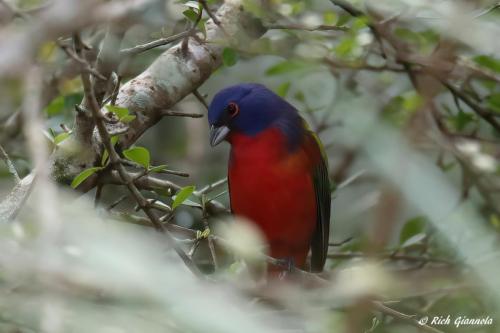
<point>233,109</point>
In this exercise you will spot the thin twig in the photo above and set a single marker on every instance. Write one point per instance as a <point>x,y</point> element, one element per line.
<point>10,165</point>
<point>98,193</point>
<point>389,256</point>
<point>14,11</point>
<point>479,110</point>
<point>410,319</point>
<point>488,10</point>
<point>210,13</point>
<point>211,246</point>
<point>116,90</point>
<point>117,202</point>
<point>321,27</point>
<point>85,65</point>
<point>156,43</point>
<point>200,98</point>
<point>180,114</point>
<point>344,65</point>
<point>212,186</point>
<point>345,241</point>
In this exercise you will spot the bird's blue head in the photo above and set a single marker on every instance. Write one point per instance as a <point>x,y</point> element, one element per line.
<point>245,108</point>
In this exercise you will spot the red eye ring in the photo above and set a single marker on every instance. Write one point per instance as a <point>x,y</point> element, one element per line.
<point>233,109</point>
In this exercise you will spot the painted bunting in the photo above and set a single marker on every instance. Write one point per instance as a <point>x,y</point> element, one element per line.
<point>277,172</point>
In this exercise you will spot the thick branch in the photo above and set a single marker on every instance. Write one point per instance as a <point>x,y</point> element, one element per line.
<point>175,75</point>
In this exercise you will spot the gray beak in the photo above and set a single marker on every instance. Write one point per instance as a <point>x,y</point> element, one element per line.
<point>217,134</point>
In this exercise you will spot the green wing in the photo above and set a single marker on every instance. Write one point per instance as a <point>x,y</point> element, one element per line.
<point>319,244</point>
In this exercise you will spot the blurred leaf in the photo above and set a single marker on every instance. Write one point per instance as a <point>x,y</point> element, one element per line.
<point>461,120</point>
<point>488,84</point>
<point>61,137</point>
<point>190,14</point>
<point>119,111</point>
<point>49,135</point>
<point>298,7</point>
<point>488,62</point>
<point>411,101</point>
<point>347,47</point>
<point>127,119</point>
<point>413,240</point>
<point>288,66</point>
<point>72,98</point>
<point>229,57</point>
<point>46,52</point>
<point>425,40</point>
<point>413,227</point>
<point>330,17</point>
<point>192,4</point>
<point>283,88</point>
<point>429,37</point>
<point>73,86</point>
<point>343,19</point>
<point>158,168</point>
<point>495,221</point>
<point>360,23</point>
<point>407,35</point>
<point>299,95</point>
<point>139,155</point>
<point>494,102</point>
<point>55,106</point>
<point>182,195</point>
<point>203,28</point>
<point>84,175</point>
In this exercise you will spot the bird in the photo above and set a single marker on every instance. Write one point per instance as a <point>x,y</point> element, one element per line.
<point>277,172</point>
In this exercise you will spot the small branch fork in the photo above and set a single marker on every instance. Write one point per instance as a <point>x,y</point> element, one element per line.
<point>115,161</point>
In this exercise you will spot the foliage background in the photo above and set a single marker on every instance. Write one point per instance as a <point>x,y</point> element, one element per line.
<point>405,96</point>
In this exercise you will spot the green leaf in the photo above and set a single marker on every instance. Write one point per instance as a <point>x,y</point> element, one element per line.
<point>48,135</point>
<point>229,57</point>
<point>127,119</point>
<point>414,240</point>
<point>192,4</point>
<point>55,106</point>
<point>61,137</point>
<point>105,154</point>
<point>412,101</point>
<point>494,102</point>
<point>203,28</point>
<point>182,195</point>
<point>299,95</point>
<point>407,35</point>
<point>283,88</point>
<point>84,175</point>
<point>413,227</point>
<point>348,46</point>
<point>158,168</point>
<point>360,23</point>
<point>191,203</point>
<point>461,120</point>
<point>139,155</point>
<point>288,66</point>
<point>343,19</point>
<point>488,62</point>
<point>191,14</point>
<point>119,111</point>
<point>330,17</point>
